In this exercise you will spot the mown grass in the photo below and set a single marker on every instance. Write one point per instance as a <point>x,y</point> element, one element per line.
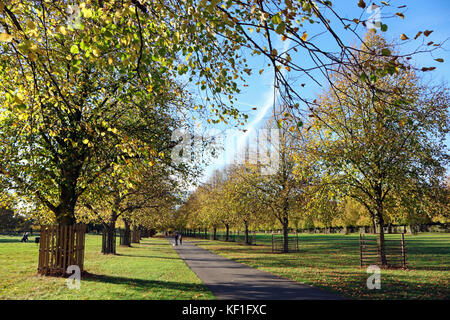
<point>331,262</point>
<point>149,270</point>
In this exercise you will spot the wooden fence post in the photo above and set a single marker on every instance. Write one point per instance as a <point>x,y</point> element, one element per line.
<point>272,242</point>
<point>360,251</point>
<point>403,251</point>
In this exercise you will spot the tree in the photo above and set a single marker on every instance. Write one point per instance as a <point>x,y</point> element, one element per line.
<point>154,199</point>
<point>248,210</point>
<point>376,148</point>
<point>131,199</point>
<point>219,205</point>
<point>73,99</point>
<point>279,190</point>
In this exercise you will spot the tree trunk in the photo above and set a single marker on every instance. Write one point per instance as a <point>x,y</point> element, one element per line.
<point>285,235</point>
<point>65,210</point>
<point>135,238</point>
<point>227,236</point>
<point>380,238</point>
<point>215,234</point>
<point>126,234</point>
<point>246,232</point>
<point>109,239</point>
<point>374,221</point>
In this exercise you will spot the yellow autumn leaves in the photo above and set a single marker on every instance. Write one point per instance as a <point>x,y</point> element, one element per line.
<point>5,37</point>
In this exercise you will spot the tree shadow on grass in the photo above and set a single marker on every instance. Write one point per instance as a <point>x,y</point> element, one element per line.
<point>431,268</point>
<point>143,284</point>
<point>11,240</point>
<point>140,256</point>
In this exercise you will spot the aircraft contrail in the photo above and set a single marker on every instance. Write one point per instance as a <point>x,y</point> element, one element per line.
<point>271,99</point>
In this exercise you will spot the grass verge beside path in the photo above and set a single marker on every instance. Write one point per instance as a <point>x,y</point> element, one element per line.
<point>331,262</point>
<point>151,270</point>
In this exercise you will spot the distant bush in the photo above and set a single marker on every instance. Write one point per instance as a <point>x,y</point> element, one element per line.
<point>10,222</point>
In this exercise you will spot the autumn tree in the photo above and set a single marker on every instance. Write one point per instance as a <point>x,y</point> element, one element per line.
<point>73,101</point>
<point>132,193</point>
<point>220,205</point>
<point>155,198</point>
<point>248,211</point>
<point>383,150</point>
<point>279,189</point>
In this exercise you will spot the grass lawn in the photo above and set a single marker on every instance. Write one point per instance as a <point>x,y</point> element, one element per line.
<point>331,261</point>
<point>149,270</point>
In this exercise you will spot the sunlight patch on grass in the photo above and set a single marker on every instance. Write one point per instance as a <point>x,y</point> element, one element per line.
<point>331,262</point>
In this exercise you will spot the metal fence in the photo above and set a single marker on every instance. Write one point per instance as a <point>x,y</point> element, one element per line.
<point>395,251</point>
<point>278,244</point>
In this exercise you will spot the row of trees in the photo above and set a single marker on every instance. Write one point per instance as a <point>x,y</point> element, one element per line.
<point>88,108</point>
<point>90,94</point>
<point>358,158</point>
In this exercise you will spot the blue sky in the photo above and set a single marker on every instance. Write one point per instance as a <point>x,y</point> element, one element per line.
<point>419,16</point>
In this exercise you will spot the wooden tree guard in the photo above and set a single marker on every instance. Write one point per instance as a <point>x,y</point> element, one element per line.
<point>61,246</point>
<point>123,234</point>
<point>135,236</point>
<point>395,251</point>
<point>105,243</point>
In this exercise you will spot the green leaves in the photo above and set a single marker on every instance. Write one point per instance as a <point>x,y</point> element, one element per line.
<point>276,19</point>
<point>363,76</point>
<point>280,29</point>
<point>386,52</point>
<point>108,34</point>
<point>74,49</point>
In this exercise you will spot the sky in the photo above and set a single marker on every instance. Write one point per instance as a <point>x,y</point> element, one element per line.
<point>419,16</point>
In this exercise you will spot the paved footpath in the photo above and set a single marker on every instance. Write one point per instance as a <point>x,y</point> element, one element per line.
<point>228,279</point>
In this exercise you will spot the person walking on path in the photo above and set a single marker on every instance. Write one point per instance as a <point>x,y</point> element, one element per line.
<point>176,238</point>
